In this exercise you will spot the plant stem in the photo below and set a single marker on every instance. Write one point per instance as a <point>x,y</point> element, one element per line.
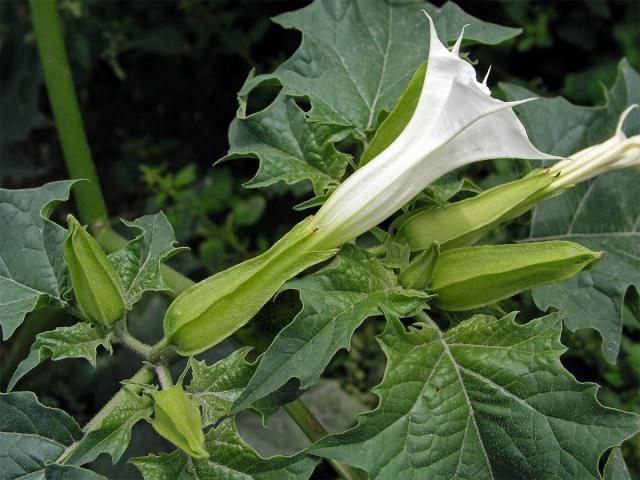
<point>164,376</point>
<point>132,343</point>
<point>66,113</point>
<point>314,431</point>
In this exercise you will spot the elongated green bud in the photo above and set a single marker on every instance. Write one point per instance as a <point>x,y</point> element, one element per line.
<point>465,222</point>
<point>96,284</point>
<point>213,309</point>
<point>177,418</point>
<point>417,275</point>
<point>471,277</point>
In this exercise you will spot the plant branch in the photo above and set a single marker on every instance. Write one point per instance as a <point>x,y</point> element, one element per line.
<point>132,343</point>
<point>66,113</point>
<point>164,376</point>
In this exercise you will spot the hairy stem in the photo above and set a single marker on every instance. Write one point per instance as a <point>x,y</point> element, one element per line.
<point>164,376</point>
<point>139,348</point>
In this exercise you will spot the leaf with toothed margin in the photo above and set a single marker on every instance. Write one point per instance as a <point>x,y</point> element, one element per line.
<point>487,399</point>
<point>77,341</point>
<point>32,268</point>
<point>113,433</point>
<point>289,148</point>
<point>603,214</point>
<point>336,300</point>
<point>229,457</point>
<point>216,387</point>
<point>357,56</point>
<point>32,435</point>
<point>138,262</point>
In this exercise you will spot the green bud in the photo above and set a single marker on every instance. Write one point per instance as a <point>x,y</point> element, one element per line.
<point>465,222</point>
<point>215,308</point>
<point>417,275</point>
<point>177,418</point>
<point>471,277</point>
<point>96,284</point>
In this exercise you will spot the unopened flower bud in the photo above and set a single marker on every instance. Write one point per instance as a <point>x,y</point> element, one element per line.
<point>96,285</point>
<point>177,418</point>
<point>471,277</point>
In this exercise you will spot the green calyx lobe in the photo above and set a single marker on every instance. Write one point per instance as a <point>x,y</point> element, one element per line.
<point>177,418</point>
<point>419,272</point>
<point>96,284</point>
<point>215,308</point>
<point>471,277</point>
<point>397,120</point>
<point>465,222</point>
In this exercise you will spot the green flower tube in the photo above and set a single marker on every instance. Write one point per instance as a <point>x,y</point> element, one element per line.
<point>465,222</point>
<point>96,285</point>
<point>471,277</point>
<point>177,418</point>
<point>213,309</point>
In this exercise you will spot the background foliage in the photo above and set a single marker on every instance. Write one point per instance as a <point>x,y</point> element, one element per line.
<point>157,83</point>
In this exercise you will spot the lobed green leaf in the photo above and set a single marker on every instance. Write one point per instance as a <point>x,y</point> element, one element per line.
<point>486,399</point>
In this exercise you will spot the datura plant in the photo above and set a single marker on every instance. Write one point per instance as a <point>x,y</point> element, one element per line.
<point>469,391</point>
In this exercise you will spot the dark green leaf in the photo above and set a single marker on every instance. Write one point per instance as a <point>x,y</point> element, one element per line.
<point>288,148</point>
<point>219,385</point>
<point>486,399</point>
<point>113,434</point>
<point>31,435</point>
<point>336,300</point>
<point>77,341</point>
<point>603,214</point>
<point>138,263</point>
<point>230,457</point>
<point>216,387</point>
<point>31,255</point>
<point>357,56</point>
<point>69,472</point>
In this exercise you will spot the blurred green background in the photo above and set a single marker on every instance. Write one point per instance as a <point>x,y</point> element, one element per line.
<point>157,83</point>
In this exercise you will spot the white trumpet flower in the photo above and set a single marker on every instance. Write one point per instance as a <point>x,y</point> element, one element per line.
<point>612,154</point>
<point>456,122</point>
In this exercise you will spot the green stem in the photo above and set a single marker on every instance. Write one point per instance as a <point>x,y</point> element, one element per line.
<point>164,376</point>
<point>314,431</point>
<point>132,343</point>
<point>66,113</point>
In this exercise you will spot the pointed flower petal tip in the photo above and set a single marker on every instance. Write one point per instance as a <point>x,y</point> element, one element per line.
<point>455,122</point>
<point>486,76</point>
<point>456,48</point>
